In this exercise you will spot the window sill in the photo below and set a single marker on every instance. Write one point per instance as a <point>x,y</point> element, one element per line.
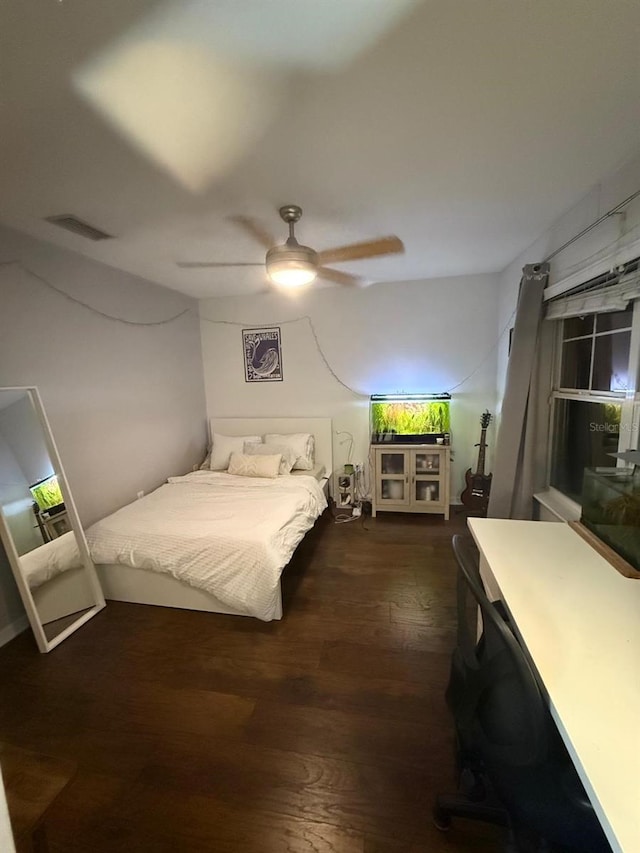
<point>559,505</point>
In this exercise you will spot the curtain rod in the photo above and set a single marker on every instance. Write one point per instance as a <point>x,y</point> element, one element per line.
<point>586,230</point>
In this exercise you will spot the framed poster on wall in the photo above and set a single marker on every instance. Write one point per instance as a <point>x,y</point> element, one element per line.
<point>262,355</point>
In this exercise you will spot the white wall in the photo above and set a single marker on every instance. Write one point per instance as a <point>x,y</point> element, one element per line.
<point>21,429</point>
<point>409,336</point>
<point>13,483</point>
<point>614,232</point>
<point>125,403</point>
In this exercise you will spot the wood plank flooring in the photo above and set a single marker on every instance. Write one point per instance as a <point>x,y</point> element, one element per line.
<point>326,732</point>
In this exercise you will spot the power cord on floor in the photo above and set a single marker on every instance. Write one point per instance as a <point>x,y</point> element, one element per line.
<point>357,512</point>
<point>345,518</point>
<point>345,514</point>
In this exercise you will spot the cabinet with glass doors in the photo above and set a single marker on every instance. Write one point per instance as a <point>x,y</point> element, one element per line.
<point>411,478</point>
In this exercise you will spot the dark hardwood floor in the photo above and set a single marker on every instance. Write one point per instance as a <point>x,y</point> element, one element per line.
<point>326,732</point>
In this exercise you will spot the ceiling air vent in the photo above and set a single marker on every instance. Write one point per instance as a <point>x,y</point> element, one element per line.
<point>77,226</point>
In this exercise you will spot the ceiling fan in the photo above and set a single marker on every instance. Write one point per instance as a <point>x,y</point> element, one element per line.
<point>292,265</point>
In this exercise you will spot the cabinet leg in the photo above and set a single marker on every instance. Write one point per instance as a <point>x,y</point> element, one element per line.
<point>373,511</point>
<point>446,513</point>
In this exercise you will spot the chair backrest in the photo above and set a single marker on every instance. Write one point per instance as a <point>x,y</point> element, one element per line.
<point>497,705</point>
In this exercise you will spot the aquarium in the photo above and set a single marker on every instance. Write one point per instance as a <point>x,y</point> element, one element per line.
<point>409,418</point>
<point>47,494</point>
<point>611,509</point>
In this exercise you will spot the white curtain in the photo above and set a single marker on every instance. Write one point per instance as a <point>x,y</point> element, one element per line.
<point>517,463</point>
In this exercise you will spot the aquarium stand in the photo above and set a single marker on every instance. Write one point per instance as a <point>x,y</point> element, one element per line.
<point>411,478</point>
<point>55,523</point>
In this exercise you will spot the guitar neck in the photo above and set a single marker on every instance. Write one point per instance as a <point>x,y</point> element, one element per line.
<point>482,453</point>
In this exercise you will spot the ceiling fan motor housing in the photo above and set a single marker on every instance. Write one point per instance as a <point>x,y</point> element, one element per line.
<point>292,252</point>
<point>292,263</point>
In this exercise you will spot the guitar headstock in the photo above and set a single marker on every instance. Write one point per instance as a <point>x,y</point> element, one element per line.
<point>485,419</point>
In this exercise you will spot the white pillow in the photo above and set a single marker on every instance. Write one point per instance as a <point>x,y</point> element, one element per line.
<point>225,445</point>
<point>288,455</point>
<point>302,444</point>
<point>254,466</point>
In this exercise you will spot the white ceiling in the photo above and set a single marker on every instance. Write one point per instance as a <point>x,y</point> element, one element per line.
<point>464,126</point>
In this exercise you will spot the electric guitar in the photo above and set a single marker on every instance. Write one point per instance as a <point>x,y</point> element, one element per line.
<point>476,494</point>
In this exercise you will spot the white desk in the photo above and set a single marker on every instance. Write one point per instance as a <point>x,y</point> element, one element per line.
<point>579,620</point>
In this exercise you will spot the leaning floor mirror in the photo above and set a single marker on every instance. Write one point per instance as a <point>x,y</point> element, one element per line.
<point>39,524</point>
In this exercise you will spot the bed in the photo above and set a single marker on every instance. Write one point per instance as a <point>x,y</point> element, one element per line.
<point>213,541</point>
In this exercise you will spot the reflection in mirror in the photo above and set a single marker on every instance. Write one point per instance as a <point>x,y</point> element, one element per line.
<point>39,523</point>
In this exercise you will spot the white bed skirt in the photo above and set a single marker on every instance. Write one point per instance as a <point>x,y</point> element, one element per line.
<point>142,586</point>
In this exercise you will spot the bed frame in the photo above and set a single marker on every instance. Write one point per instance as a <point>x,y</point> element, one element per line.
<point>141,586</point>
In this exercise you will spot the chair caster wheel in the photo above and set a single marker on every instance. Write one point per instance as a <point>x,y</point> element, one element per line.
<point>441,819</point>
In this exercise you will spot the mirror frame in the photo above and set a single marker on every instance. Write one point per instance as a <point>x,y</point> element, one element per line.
<point>45,645</point>
<point>6,834</point>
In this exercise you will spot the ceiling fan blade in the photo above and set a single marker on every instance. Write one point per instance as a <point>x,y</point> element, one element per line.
<point>196,265</point>
<point>339,277</point>
<point>369,249</point>
<point>255,229</point>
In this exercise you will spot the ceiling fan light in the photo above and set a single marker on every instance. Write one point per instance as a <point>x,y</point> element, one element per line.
<point>292,274</point>
<point>292,266</point>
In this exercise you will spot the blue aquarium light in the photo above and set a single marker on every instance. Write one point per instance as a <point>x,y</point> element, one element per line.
<point>407,398</point>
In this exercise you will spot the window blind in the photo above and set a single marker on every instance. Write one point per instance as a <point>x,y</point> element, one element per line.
<point>611,291</point>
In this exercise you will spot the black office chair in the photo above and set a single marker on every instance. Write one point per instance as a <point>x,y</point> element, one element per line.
<point>513,768</point>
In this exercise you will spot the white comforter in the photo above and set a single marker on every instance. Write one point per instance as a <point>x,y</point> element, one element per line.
<point>54,558</point>
<point>231,536</point>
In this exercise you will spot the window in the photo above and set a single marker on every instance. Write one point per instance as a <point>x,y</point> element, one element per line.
<point>595,352</point>
<point>593,396</point>
<point>585,433</point>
